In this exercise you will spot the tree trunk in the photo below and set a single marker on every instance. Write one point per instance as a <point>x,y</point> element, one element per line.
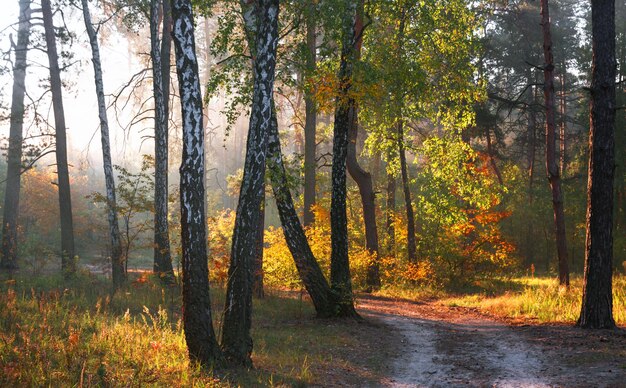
<point>410,217</point>
<point>363,178</point>
<point>532,153</point>
<point>597,302</point>
<point>14,159</point>
<point>340,280</point>
<point>236,340</point>
<point>563,127</point>
<point>310,120</point>
<point>391,213</point>
<point>492,158</point>
<point>160,56</point>
<point>552,166</point>
<point>308,268</point>
<point>68,262</point>
<point>197,321</point>
<point>117,259</point>
<point>257,270</point>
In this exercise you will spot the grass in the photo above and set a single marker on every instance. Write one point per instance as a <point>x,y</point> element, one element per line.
<point>56,333</point>
<point>540,299</point>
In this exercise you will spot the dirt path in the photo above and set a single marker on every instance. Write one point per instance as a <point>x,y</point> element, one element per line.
<point>441,347</point>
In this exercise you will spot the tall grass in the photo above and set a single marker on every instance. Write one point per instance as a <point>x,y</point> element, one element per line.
<point>54,333</point>
<point>540,299</point>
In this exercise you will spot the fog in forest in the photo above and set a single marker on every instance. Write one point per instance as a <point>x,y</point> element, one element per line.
<point>443,182</point>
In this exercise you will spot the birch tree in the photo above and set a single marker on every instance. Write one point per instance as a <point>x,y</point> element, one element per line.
<point>117,258</point>
<point>236,340</point>
<point>306,264</point>
<point>197,318</point>
<point>340,280</point>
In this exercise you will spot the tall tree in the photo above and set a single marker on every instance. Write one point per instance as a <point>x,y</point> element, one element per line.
<point>14,158</point>
<point>117,258</point>
<point>363,178</point>
<point>236,340</point>
<point>597,301</point>
<point>406,189</point>
<point>552,165</point>
<point>197,321</point>
<point>68,263</point>
<point>340,280</point>
<point>160,55</point>
<point>310,117</point>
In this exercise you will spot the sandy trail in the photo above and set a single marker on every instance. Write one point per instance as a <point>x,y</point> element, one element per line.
<point>447,347</point>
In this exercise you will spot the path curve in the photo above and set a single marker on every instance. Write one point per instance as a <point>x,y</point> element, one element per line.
<point>448,347</point>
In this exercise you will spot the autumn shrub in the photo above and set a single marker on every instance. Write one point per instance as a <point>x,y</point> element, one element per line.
<point>278,265</point>
<point>220,234</point>
<point>459,212</point>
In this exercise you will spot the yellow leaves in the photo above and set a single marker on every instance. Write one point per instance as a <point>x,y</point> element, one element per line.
<point>418,272</point>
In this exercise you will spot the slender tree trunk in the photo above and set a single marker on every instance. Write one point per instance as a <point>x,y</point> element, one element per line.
<point>340,279</point>
<point>308,268</point>
<point>363,178</point>
<point>532,153</point>
<point>68,262</point>
<point>310,120</point>
<point>197,321</point>
<point>597,301</point>
<point>160,55</point>
<point>257,270</point>
<point>563,127</point>
<point>552,166</point>
<point>14,158</point>
<point>410,217</point>
<point>117,258</point>
<point>391,212</point>
<point>492,158</point>
<point>236,340</point>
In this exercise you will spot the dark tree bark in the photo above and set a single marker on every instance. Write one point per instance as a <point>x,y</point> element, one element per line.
<point>563,126</point>
<point>236,340</point>
<point>597,302</point>
<point>532,152</point>
<point>492,158</point>
<point>68,262</point>
<point>340,280</point>
<point>160,56</point>
<point>310,120</point>
<point>308,268</point>
<point>363,178</point>
<point>391,212</point>
<point>257,269</point>
<point>198,325</point>
<point>117,258</point>
<point>408,204</point>
<point>14,157</point>
<point>552,166</point>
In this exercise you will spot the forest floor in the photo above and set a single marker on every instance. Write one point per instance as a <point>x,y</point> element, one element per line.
<point>439,346</point>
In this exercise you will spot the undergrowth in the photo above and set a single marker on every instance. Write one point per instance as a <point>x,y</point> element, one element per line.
<point>56,333</point>
<point>529,298</point>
